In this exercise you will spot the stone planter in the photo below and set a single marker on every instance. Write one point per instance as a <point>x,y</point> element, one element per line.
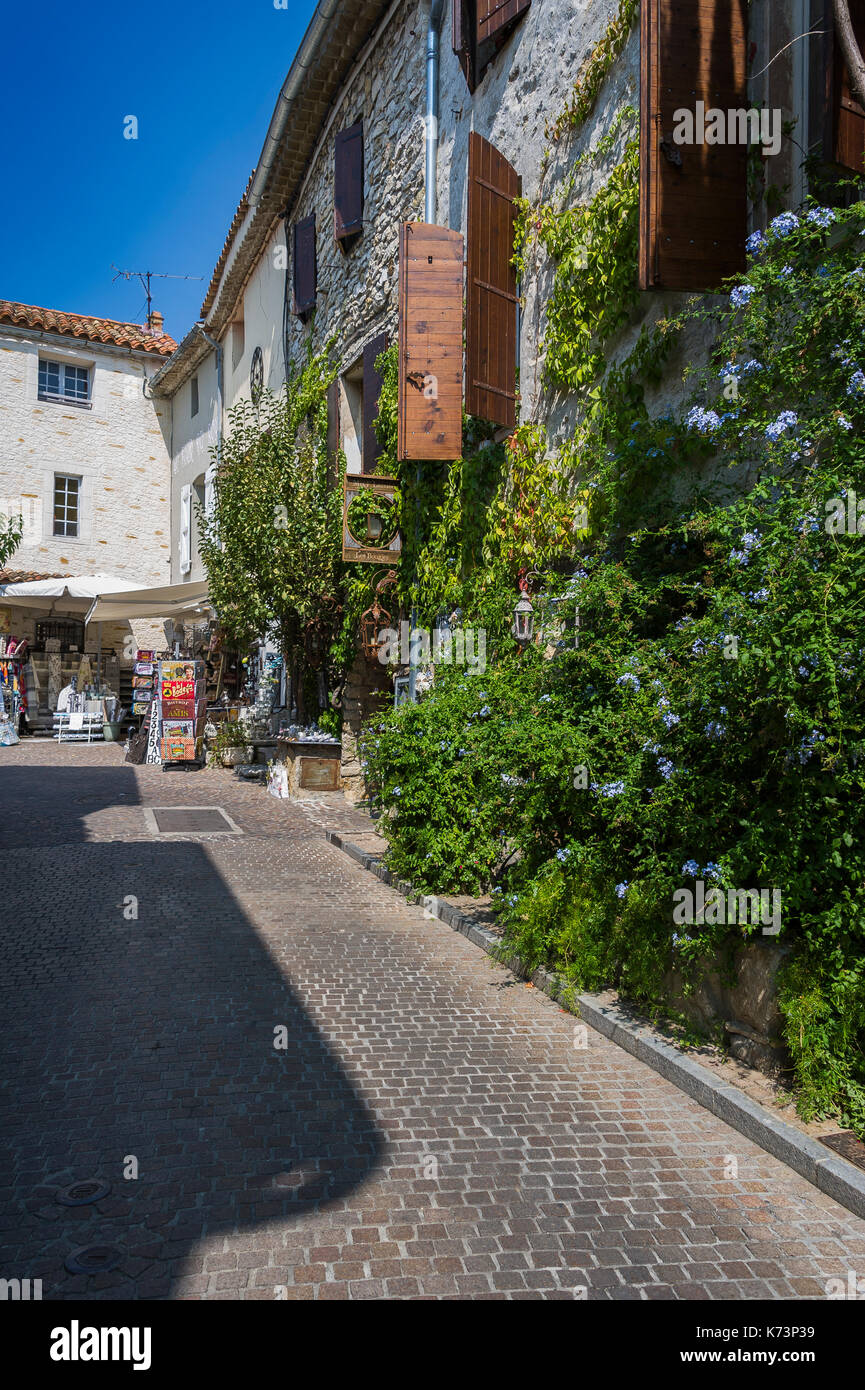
<point>233,757</point>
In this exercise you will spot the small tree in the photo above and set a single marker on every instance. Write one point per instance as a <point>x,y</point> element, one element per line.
<point>11,533</point>
<point>272,542</point>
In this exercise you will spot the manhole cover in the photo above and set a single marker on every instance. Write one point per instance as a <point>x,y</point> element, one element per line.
<point>847,1145</point>
<point>93,1259</point>
<point>79,1194</point>
<point>191,820</point>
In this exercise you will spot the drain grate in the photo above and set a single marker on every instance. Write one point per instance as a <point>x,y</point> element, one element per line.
<point>80,1194</point>
<point>847,1145</point>
<point>93,1259</point>
<point>190,820</point>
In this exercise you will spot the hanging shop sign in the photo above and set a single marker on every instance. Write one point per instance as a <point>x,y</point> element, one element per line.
<point>370,519</point>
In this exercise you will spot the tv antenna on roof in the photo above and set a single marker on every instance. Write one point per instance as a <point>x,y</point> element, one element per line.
<point>145,276</point>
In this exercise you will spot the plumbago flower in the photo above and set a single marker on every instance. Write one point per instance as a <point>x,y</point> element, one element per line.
<point>787,420</point>
<point>741,296</point>
<point>621,888</point>
<point>756,243</point>
<point>822,217</point>
<point>856,384</point>
<point>629,679</point>
<point>783,224</point>
<point>704,421</point>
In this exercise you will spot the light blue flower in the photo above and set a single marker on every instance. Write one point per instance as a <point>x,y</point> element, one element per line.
<point>629,679</point>
<point>856,384</point>
<point>562,854</point>
<point>741,296</point>
<point>715,730</point>
<point>704,421</point>
<point>755,243</point>
<point>653,748</point>
<point>545,699</point>
<point>670,720</point>
<point>482,714</point>
<point>785,272</point>
<point>843,423</point>
<point>690,868</point>
<point>711,871</point>
<point>612,789</point>
<point>666,768</point>
<point>821,217</point>
<point>787,420</point>
<point>784,224</point>
<point>621,888</point>
<point>759,596</point>
<point>397,791</point>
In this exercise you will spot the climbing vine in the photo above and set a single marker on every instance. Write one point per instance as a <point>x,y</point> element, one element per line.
<point>594,71</point>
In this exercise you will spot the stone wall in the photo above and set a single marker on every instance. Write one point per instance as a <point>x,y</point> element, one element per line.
<point>367,690</point>
<point>117,447</point>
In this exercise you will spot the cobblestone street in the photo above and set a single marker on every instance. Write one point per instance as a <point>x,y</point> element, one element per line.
<point>428,1127</point>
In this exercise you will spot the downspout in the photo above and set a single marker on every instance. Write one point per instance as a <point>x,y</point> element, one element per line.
<point>431,145</point>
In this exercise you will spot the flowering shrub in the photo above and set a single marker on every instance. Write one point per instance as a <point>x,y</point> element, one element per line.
<point>710,723</point>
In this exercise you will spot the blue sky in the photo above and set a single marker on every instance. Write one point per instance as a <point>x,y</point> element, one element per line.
<point>202,79</point>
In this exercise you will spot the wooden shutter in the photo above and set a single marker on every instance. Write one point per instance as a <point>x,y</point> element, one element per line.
<point>495,15</point>
<point>348,182</point>
<point>491,292</point>
<point>304,265</point>
<point>463,39</point>
<point>333,432</point>
<point>846,118</point>
<point>693,198</point>
<point>371,393</point>
<point>430,342</point>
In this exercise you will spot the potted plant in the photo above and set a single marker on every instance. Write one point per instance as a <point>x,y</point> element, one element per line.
<point>229,748</point>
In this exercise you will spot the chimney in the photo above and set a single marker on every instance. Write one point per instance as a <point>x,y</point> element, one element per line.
<point>155,322</point>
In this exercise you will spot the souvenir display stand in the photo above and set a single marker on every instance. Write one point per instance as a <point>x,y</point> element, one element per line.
<point>180,697</point>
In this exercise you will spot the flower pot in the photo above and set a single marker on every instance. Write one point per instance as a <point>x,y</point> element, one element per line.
<point>232,756</point>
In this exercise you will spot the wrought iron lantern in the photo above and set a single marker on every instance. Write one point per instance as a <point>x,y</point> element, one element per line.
<point>375,619</point>
<point>523,626</point>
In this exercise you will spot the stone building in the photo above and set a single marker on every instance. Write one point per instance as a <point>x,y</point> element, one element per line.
<point>441,112</point>
<point>84,460</point>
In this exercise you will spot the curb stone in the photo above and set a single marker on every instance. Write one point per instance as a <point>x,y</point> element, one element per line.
<point>838,1179</point>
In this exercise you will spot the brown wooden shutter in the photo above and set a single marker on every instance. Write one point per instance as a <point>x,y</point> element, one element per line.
<point>304,265</point>
<point>371,393</point>
<point>348,182</point>
<point>491,290</point>
<point>430,342</point>
<point>845,144</point>
<point>495,15</point>
<point>693,198</point>
<point>333,432</point>
<point>463,38</point>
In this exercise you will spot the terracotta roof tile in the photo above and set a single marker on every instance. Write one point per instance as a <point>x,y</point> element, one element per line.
<point>26,577</point>
<point>94,330</point>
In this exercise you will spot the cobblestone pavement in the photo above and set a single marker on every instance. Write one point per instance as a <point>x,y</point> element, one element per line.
<point>428,1128</point>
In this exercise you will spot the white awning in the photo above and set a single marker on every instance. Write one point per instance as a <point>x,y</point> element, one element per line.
<point>69,591</point>
<point>169,601</point>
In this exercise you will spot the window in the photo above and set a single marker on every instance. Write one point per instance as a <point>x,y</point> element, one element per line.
<point>193,397</point>
<point>67,495</point>
<point>59,381</point>
<point>238,342</point>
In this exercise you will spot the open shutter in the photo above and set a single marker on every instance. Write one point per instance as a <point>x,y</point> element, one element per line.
<point>491,292</point>
<point>371,392</point>
<point>495,15</point>
<point>348,182</point>
<point>693,197</point>
<point>304,265</point>
<point>333,431</point>
<point>185,529</point>
<point>463,38</point>
<point>430,342</point>
<point>846,124</point>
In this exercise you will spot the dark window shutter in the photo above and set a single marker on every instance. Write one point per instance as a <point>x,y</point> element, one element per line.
<point>371,392</point>
<point>693,198</point>
<point>846,118</point>
<point>348,182</point>
<point>304,265</point>
<point>333,431</point>
<point>494,16</point>
<point>463,38</point>
<point>491,292</point>
<point>430,342</point>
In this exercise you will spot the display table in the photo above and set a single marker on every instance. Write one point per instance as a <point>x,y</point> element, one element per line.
<point>78,728</point>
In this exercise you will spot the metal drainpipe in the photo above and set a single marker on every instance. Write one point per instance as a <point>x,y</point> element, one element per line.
<point>431,145</point>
